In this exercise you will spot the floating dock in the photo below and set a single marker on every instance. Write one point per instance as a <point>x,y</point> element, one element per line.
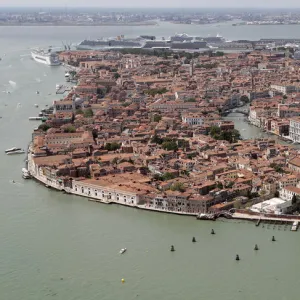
<point>63,89</point>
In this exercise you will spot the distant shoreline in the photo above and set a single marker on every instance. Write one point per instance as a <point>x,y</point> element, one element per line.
<point>78,25</point>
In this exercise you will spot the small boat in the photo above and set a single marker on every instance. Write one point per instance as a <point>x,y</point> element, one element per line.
<point>36,105</point>
<point>26,173</point>
<point>12,149</point>
<point>37,92</point>
<point>123,250</point>
<point>172,248</point>
<point>15,152</point>
<point>295,226</point>
<point>237,257</point>
<point>35,118</point>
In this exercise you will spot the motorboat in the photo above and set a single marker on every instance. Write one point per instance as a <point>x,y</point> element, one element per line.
<point>36,105</point>
<point>12,149</point>
<point>15,152</point>
<point>26,173</point>
<point>123,250</point>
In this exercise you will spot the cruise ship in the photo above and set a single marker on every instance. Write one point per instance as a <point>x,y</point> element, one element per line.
<point>178,42</point>
<point>45,57</point>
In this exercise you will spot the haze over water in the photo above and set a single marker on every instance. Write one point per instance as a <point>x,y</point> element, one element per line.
<point>57,246</point>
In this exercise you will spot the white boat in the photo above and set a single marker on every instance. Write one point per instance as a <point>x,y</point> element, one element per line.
<point>26,173</point>
<point>12,149</point>
<point>295,226</point>
<point>58,86</point>
<point>45,57</point>
<point>35,118</point>
<point>123,250</point>
<point>15,152</point>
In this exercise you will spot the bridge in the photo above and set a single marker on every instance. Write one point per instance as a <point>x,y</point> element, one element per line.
<point>223,214</point>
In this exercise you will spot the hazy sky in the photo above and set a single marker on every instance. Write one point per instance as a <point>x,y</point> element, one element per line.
<point>154,3</point>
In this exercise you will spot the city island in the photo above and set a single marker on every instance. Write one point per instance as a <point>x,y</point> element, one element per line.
<point>148,131</point>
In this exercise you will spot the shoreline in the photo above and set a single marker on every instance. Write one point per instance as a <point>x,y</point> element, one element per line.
<point>49,183</point>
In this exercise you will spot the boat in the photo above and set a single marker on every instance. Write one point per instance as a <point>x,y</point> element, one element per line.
<point>123,250</point>
<point>36,105</point>
<point>59,86</point>
<point>12,149</point>
<point>295,226</point>
<point>45,57</point>
<point>16,152</point>
<point>202,216</point>
<point>26,173</point>
<point>35,118</point>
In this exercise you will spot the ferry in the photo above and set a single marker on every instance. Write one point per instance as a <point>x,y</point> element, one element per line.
<point>12,149</point>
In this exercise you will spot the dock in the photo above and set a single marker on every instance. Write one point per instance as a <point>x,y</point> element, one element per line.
<point>63,89</point>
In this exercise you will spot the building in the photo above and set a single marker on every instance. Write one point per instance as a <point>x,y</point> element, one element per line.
<point>295,129</point>
<point>193,119</point>
<point>273,206</point>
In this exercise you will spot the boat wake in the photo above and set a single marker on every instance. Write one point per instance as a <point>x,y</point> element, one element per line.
<point>38,79</point>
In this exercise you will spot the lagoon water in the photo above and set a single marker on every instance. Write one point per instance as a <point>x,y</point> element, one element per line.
<point>56,246</point>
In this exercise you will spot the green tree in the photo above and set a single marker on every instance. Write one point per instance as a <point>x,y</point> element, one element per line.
<point>112,146</point>
<point>219,53</point>
<point>190,100</point>
<point>79,112</point>
<point>70,129</point>
<point>170,145</point>
<point>168,176</point>
<point>44,127</point>
<point>117,75</point>
<point>178,186</point>
<point>156,139</point>
<point>88,113</point>
<point>157,118</point>
<point>245,99</point>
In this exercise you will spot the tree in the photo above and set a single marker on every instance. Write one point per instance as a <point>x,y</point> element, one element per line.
<point>44,127</point>
<point>88,113</point>
<point>219,53</point>
<point>70,129</point>
<point>157,118</point>
<point>178,186</point>
<point>168,176</point>
<point>112,146</point>
<point>170,145</point>
<point>294,199</point>
<point>79,111</point>
<point>117,75</point>
<point>156,140</point>
<point>190,100</point>
<point>219,185</point>
<point>245,99</point>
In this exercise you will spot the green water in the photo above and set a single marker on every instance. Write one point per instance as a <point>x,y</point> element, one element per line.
<point>56,246</point>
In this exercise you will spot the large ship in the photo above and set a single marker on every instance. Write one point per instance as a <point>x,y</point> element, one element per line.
<point>45,57</point>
